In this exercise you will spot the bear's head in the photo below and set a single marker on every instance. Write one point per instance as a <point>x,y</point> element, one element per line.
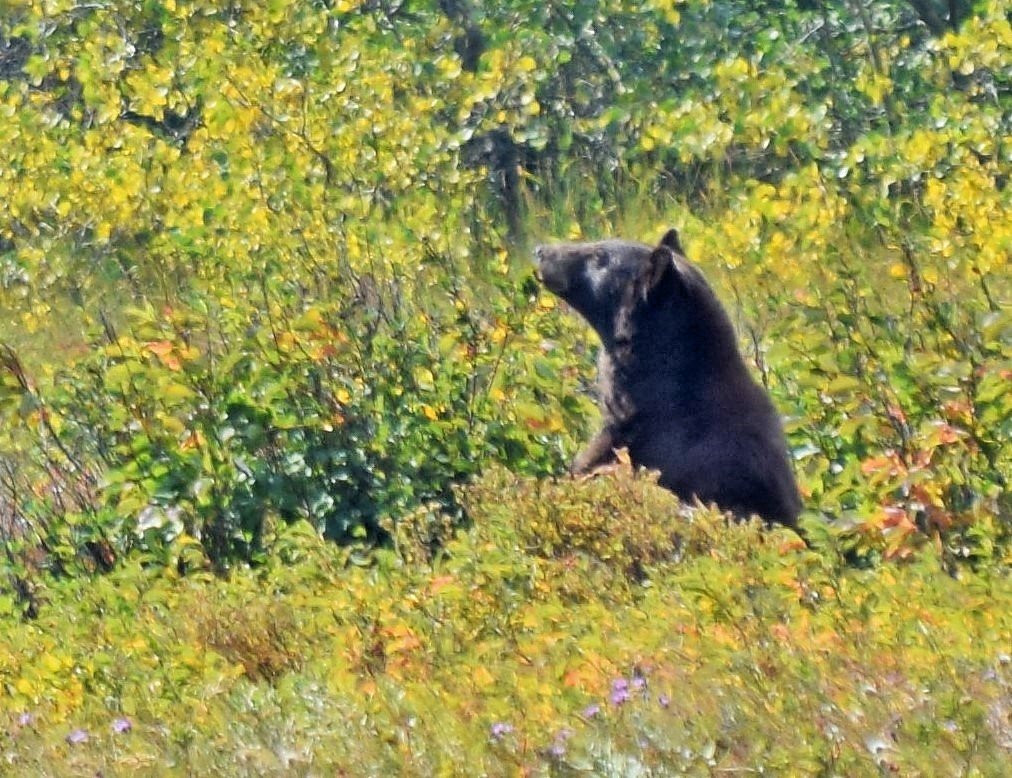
<point>608,281</point>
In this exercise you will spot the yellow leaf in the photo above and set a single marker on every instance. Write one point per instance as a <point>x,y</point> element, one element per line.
<point>526,64</point>
<point>424,378</point>
<point>51,663</point>
<point>175,391</point>
<point>482,677</point>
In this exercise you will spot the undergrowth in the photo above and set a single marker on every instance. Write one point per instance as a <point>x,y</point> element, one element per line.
<point>658,640</point>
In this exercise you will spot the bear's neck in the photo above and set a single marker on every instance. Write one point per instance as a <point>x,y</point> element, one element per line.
<point>684,371</point>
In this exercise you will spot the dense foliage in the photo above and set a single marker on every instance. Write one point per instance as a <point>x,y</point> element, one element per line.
<point>590,628</point>
<point>264,275</point>
<point>281,249</point>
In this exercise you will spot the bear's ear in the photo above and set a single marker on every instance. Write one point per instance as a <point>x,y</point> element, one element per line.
<point>659,271</point>
<point>671,240</point>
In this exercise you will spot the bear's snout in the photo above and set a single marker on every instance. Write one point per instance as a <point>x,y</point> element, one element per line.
<point>539,253</point>
<point>543,255</point>
<point>549,271</point>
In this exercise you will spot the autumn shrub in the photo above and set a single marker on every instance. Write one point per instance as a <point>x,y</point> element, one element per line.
<point>260,639</point>
<point>619,522</point>
<point>742,652</point>
<point>336,413</point>
<point>895,412</point>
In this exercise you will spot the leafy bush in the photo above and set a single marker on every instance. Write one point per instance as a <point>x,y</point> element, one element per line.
<point>342,414</point>
<point>732,649</point>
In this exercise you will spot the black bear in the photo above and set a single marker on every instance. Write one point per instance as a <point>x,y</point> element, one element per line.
<point>674,389</point>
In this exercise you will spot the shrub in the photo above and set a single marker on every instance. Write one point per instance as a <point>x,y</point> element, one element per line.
<point>738,652</point>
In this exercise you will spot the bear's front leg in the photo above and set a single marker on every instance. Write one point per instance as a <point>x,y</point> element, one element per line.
<point>598,453</point>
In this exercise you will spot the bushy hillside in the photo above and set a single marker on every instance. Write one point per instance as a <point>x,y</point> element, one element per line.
<point>593,629</point>
<point>265,276</point>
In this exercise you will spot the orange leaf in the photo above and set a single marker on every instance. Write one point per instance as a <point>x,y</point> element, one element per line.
<point>948,434</point>
<point>193,440</point>
<point>795,544</point>
<point>436,585</point>
<point>876,464</point>
<point>895,516</point>
<point>159,347</point>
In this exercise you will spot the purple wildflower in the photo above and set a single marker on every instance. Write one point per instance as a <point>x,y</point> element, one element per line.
<point>26,719</point>
<point>77,737</point>
<point>619,691</point>
<point>639,683</point>
<point>121,725</point>
<point>558,748</point>
<point>591,710</point>
<point>500,729</point>
<point>664,701</point>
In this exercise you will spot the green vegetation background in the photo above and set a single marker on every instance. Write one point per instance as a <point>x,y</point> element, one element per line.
<point>265,279</point>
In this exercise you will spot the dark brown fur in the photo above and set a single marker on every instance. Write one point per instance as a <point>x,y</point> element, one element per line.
<point>674,389</point>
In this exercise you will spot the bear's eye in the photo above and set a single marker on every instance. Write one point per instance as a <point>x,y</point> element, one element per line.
<point>600,260</point>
